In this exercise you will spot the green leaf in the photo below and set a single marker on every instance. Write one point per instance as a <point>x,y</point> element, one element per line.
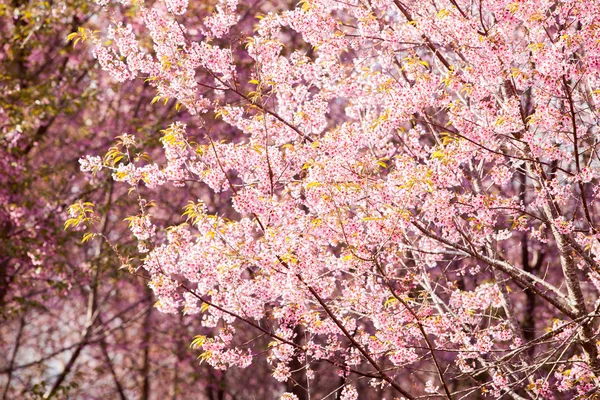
<point>88,236</point>
<point>198,341</point>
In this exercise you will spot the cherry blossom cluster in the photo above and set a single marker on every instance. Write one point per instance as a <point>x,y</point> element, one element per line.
<point>416,183</point>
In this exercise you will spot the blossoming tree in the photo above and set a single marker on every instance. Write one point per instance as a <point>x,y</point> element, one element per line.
<point>412,200</point>
<point>71,324</point>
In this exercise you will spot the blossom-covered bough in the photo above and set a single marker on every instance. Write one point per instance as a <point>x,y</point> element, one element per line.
<point>413,194</point>
<point>71,324</point>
